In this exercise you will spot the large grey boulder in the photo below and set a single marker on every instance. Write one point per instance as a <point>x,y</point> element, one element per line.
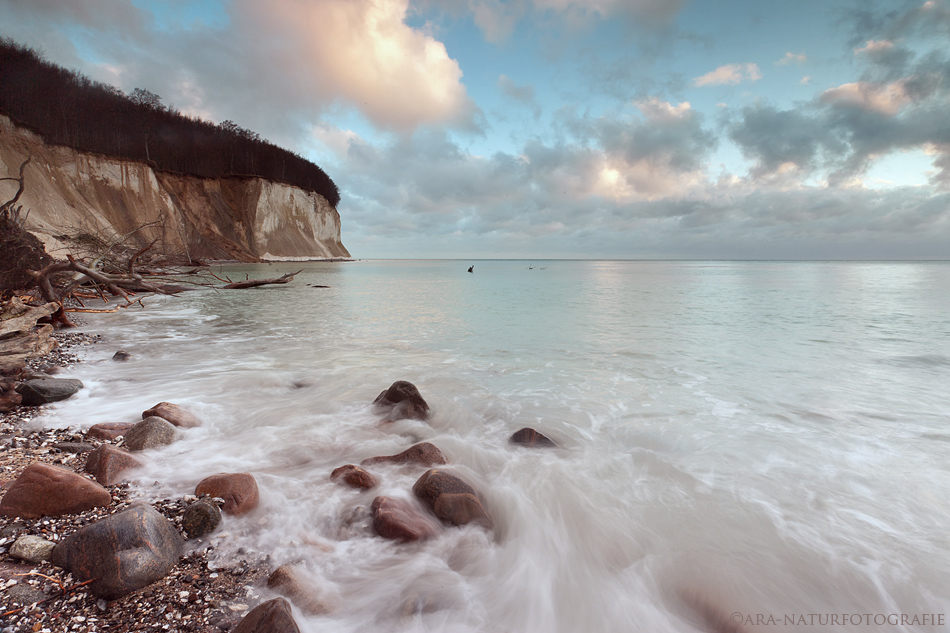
<point>124,552</point>
<point>39,391</point>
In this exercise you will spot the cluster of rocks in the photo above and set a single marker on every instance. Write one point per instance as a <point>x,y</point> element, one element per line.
<point>128,548</point>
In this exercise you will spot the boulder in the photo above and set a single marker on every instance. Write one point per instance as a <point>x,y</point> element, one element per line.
<point>32,549</point>
<point>450,498</point>
<point>239,491</point>
<point>398,520</point>
<point>124,552</point>
<point>200,518</point>
<point>39,391</point>
<point>107,463</point>
<point>531,438</point>
<point>121,356</point>
<point>273,616</point>
<point>423,454</point>
<point>402,401</point>
<point>109,430</point>
<point>46,490</point>
<point>151,432</point>
<point>353,476</point>
<point>174,414</point>
<point>299,587</point>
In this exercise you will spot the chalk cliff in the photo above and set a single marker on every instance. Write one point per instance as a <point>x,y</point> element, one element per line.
<point>247,219</point>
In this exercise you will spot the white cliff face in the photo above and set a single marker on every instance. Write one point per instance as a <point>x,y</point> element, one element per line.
<point>75,193</point>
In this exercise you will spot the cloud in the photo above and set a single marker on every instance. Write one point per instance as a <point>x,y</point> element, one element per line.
<point>884,99</point>
<point>792,58</point>
<point>521,94</point>
<point>874,46</point>
<point>729,75</point>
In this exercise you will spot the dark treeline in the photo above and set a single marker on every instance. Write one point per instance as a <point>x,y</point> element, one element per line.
<point>67,108</point>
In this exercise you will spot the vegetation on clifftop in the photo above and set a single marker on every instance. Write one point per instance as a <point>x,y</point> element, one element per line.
<point>67,108</point>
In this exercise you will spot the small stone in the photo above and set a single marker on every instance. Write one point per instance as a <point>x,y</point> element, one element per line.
<point>40,391</point>
<point>73,447</point>
<point>200,518</point>
<point>46,490</point>
<point>32,549</point>
<point>353,476</point>
<point>450,498</point>
<point>174,414</point>
<point>109,430</point>
<point>239,491</point>
<point>302,589</point>
<point>402,401</point>
<point>273,616</point>
<point>423,454</point>
<point>531,438</point>
<point>151,432</point>
<point>396,519</point>
<point>121,356</point>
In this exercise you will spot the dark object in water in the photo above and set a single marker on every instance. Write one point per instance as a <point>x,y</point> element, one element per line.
<point>531,438</point>
<point>471,268</point>
<point>404,401</point>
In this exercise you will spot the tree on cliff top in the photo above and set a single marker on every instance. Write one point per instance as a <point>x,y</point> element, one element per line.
<point>69,109</point>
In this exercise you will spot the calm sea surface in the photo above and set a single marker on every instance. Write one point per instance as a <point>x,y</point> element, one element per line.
<point>756,439</point>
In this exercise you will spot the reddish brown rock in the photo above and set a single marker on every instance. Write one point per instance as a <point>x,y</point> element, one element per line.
<point>46,490</point>
<point>450,498</point>
<point>398,520</point>
<point>402,401</point>
<point>273,616</point>
<point>354,476</point>
<point>174,414</point>
<point>300,588</point>
<point>107,463</point>
<point>109,430</point>
<point>123,552</point>
<point>423,454</point>
<point>531,438</point>
<point>239,491</point>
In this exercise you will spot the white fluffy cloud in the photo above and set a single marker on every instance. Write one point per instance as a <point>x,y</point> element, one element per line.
<point>729,75</point>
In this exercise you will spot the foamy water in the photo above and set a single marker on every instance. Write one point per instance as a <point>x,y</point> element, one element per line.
<point>754,439</point>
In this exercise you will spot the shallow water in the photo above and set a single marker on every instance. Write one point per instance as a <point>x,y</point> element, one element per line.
<point>757,439</point>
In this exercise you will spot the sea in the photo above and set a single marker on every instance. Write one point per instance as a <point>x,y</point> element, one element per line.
<point>748,444</point>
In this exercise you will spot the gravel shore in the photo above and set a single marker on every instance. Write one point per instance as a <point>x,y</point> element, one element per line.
<point>44,598</point>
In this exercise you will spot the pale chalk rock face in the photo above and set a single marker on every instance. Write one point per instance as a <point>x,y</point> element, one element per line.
<point>206,218</point>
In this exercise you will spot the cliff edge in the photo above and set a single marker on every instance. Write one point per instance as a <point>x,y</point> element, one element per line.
<point>242,218</point>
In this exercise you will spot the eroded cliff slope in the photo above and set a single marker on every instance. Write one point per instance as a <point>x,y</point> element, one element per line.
<point>248,219</point>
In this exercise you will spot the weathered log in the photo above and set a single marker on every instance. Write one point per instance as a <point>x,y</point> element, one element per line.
<point>24,321</point>
<point>254,283</point>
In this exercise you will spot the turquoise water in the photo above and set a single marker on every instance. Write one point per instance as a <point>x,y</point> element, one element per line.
<point>749,438</point>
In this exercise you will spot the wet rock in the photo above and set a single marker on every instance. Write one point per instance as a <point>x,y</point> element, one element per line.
<point>73,447</point>
<point>24,594</point>
<point>239,491</point>
<point>109,430</point>
<point>450,498</point>
<point>531,438</point>
<point>423,454</point>
<point>273,616</point>
<point>9,398</point>
<point>39,391</point>
<point>302,589</point>
<point>125,552</point>
<point>174,414</point>
<point>107,464</point>
<point>121,356</point>
<point>32,549</point>
<point>398,520</point>
<point>200,518</point>
<point>354,476</point>
<point>402,401</point>
<point>46,490</point>
<point>151,432</point>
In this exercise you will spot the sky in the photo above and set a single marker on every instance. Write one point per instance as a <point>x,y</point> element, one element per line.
<point>734,129</point>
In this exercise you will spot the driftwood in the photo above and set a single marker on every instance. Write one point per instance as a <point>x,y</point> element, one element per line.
<point>254,283</point>
<point>20,338</point>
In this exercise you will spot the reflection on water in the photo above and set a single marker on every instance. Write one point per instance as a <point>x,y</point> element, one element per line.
<point>752,438</point>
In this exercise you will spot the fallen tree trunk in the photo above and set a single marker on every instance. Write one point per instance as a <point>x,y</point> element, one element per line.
<point>254,283</point>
